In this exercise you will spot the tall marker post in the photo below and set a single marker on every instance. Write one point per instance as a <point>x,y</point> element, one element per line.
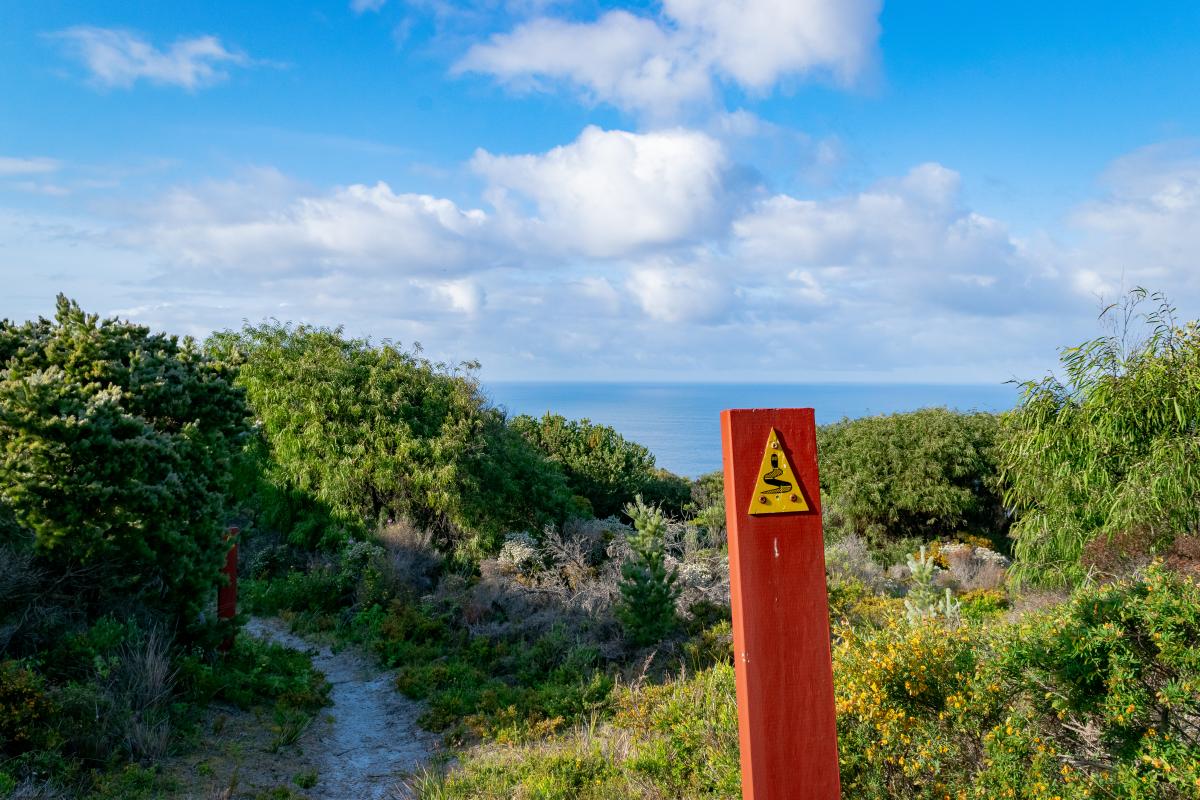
<point>227,594</point>
<point>782,659</point>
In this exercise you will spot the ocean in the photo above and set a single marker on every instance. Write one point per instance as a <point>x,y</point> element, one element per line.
<point>680,422</point>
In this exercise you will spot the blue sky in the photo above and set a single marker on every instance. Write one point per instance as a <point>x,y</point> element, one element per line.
<point>770,190</point>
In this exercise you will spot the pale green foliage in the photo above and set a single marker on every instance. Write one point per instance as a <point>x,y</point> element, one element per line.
<point>1110,447</point>
<point>117,448</point>
<point>648,588</point>
<point>927,473</point>
<point>376,432</point>
<point>923,601</point>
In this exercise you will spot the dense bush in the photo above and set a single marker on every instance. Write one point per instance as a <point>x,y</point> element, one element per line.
<point>901,691</point>
<point>1103,694</point>
<point>374,432</point>
<point>1110,448</point>
<point>600,464</point>
<point>117,450</point>
<point>1099,698</point>
<point>667,491</point>
<point>929,474</point>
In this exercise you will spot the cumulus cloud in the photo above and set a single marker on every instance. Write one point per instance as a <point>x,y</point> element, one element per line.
<point>656,66</point>
<point>119,58</point>
<point>755,42</point>
<point>636,226</point>
<point>264,225</point>
<point>907,239</point>
<point>609,193</point>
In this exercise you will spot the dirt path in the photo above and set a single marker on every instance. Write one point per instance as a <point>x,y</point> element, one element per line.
<point>372,740</point>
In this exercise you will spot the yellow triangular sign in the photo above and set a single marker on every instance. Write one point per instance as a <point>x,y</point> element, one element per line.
<point>778,490</point>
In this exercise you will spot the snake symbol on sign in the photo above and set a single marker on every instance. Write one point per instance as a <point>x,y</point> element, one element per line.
<point>772,478</point>
<point>777,490</point>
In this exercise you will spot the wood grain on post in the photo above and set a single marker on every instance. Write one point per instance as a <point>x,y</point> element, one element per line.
<point>782,658</point>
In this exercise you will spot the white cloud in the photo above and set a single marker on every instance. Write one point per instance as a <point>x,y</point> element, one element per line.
<point>679,293</point>
<point>657,66</point>
<point>265,225</point>
<point>363,6</point>
<point>463,295</point>
<point>610,193</point>
<point>1146,229</point>
<point>755,42</point>
<point>915,219</point>
<point>621,59</point>
<point>119,58</point>
<point>10,166</point>
<point>906,241</point>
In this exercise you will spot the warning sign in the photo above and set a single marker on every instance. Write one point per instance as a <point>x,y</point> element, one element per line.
<point>778,490</point>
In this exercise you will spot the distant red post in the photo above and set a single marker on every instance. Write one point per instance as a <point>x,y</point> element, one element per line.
<point>227,594</point>
<point>784,675</point>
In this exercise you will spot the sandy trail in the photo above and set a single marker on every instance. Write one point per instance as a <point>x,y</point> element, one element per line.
<point>374,739</point>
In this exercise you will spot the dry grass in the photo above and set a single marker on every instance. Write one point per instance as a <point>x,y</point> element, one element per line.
<point>146,684</point>
<point>973,568</point>
<point>850,558</point>
<point>411,561</point>
<point>31,789</point>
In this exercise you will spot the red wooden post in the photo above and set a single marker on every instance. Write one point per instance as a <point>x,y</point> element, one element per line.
<point>227,594</point>
<point>786,725</point>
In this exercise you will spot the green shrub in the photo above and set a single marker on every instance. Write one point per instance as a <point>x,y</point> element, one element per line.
<point>648,591</point>
<point>1109,448</point>
<point>133,782</point>
<point>254,673</point>
<point>600,465</point>
<point>1109,685</point>
<point>924,601</point>
<point>927,474</point>
<point>982,603</point>
<point>668,491</point>
<point>117,450</point>
<point>373,432</point>
<point>504,687</point>
<point>26,710</point>
<point>707,505</point>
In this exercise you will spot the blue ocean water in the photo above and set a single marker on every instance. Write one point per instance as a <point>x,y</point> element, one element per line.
<point>680,422</point>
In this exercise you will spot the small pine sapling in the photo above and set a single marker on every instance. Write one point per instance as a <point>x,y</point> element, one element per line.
<point>646,609</point>
<point>923,601</point>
